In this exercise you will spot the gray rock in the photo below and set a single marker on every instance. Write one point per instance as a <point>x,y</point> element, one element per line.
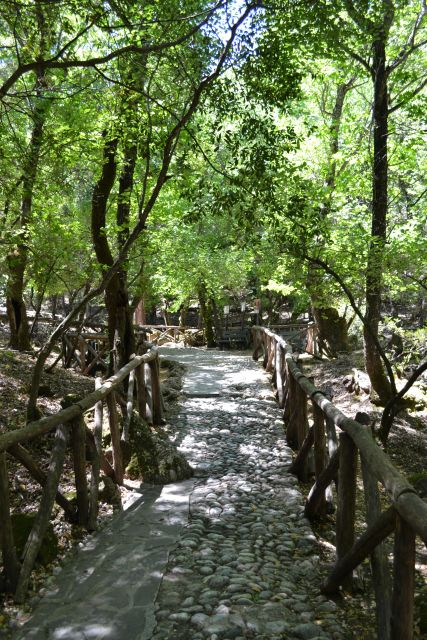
<point>307,631</point>
<point>199,620</point>
<point>180,617</point>
<point>206,570</point>
<point>208,597</point>
<point>218,581</point>
<point>276,627</point>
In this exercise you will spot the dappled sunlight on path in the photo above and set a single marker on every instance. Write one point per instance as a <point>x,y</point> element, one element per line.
<point>227,554</point>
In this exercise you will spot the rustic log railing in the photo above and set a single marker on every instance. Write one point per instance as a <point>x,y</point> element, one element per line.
<point>298,330</point>
<point>88,351</point>
<point>71,429</point>
<point>158,334</point>
<point>335,460</point>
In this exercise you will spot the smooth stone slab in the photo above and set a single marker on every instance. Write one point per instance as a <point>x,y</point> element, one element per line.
<point>108,591</point>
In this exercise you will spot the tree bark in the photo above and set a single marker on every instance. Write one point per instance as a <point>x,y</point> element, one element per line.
<point>373,363</point>
<point>331,328</point>
<point>332,334</point>
<point>18,256</point>
<point>120,324</point>
<point>123,311</point>
<point>10,560</point>
<point>206,315</point>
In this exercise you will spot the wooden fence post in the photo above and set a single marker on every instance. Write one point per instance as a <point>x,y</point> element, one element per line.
<point>115,437</point>
<point>319,449</point>
<point>301,415</point>
<point>291,427</point>
<point>141,391</point>
<point>364,546</point>
<point>78,444</point>
<point>297,430</point>
<point>271,343</point>
<point>148,395</point>
<point>82,349</point>
<point>265,347</point>
<point>286,404</point>
<point>331,433</point>
<point>10,560</point>
<point>257,343</point>
<point>346,507</point>
<point>129,406</point>
<point>317,491</point>
<point>279,375</point>
<point>156,392</point>
<point>402,607</point>
<point>96,461</point>
<point>299,465</point>
<point>379,563</point>
<point>41,521</point>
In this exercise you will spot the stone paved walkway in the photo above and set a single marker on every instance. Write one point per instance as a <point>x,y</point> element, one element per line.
<point>225,555</point>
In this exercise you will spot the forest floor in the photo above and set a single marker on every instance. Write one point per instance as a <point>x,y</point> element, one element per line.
<point>407,447</point>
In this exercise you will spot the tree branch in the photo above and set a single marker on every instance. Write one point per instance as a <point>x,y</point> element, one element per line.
<point>54,63</point>
<point>411,95</point>
<point>359,314</point>
<point>358,18</point>
<point>392,407</point>
<point>410,45</point>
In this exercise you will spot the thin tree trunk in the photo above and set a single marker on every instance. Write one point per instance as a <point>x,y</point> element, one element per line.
<point>332,330</point>
<point>373,362</point>
<point>10,560</point>
<point>18,257</point>
<point>206,315</point>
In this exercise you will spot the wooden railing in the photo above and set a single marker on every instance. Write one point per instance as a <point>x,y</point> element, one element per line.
<point>298,330</point>
<point>88,351</point>
<point>174,333</point>
<point>71,428</point>
<point>85,350</point>
<point>335,460</point>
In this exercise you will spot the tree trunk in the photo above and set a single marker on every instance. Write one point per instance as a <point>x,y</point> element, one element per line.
<point>332,330</point>
<point>183,314</point>
<point>140,312</point>
<point>15,304</point>
<point>17,258</point>
<point>332,334</point>
<point>206,315</point>
<point>120,325</point>
<point>373,363</point>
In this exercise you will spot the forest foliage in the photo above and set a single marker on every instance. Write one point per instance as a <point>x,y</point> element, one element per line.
<point>244,150</point>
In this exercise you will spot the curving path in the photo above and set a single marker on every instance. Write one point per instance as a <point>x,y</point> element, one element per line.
<point>225,555</point>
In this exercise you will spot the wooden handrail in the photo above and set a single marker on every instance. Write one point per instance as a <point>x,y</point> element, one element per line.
<point>69,424</point>
<point>44,425</point>
<point>398,488</point>
<point>407,515</point>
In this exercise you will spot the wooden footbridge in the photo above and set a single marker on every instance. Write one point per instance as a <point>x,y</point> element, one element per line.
<point>312,424</point>
<point>87,351</point>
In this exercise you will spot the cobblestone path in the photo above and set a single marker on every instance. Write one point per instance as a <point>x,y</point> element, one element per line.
<point>227,555</point>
